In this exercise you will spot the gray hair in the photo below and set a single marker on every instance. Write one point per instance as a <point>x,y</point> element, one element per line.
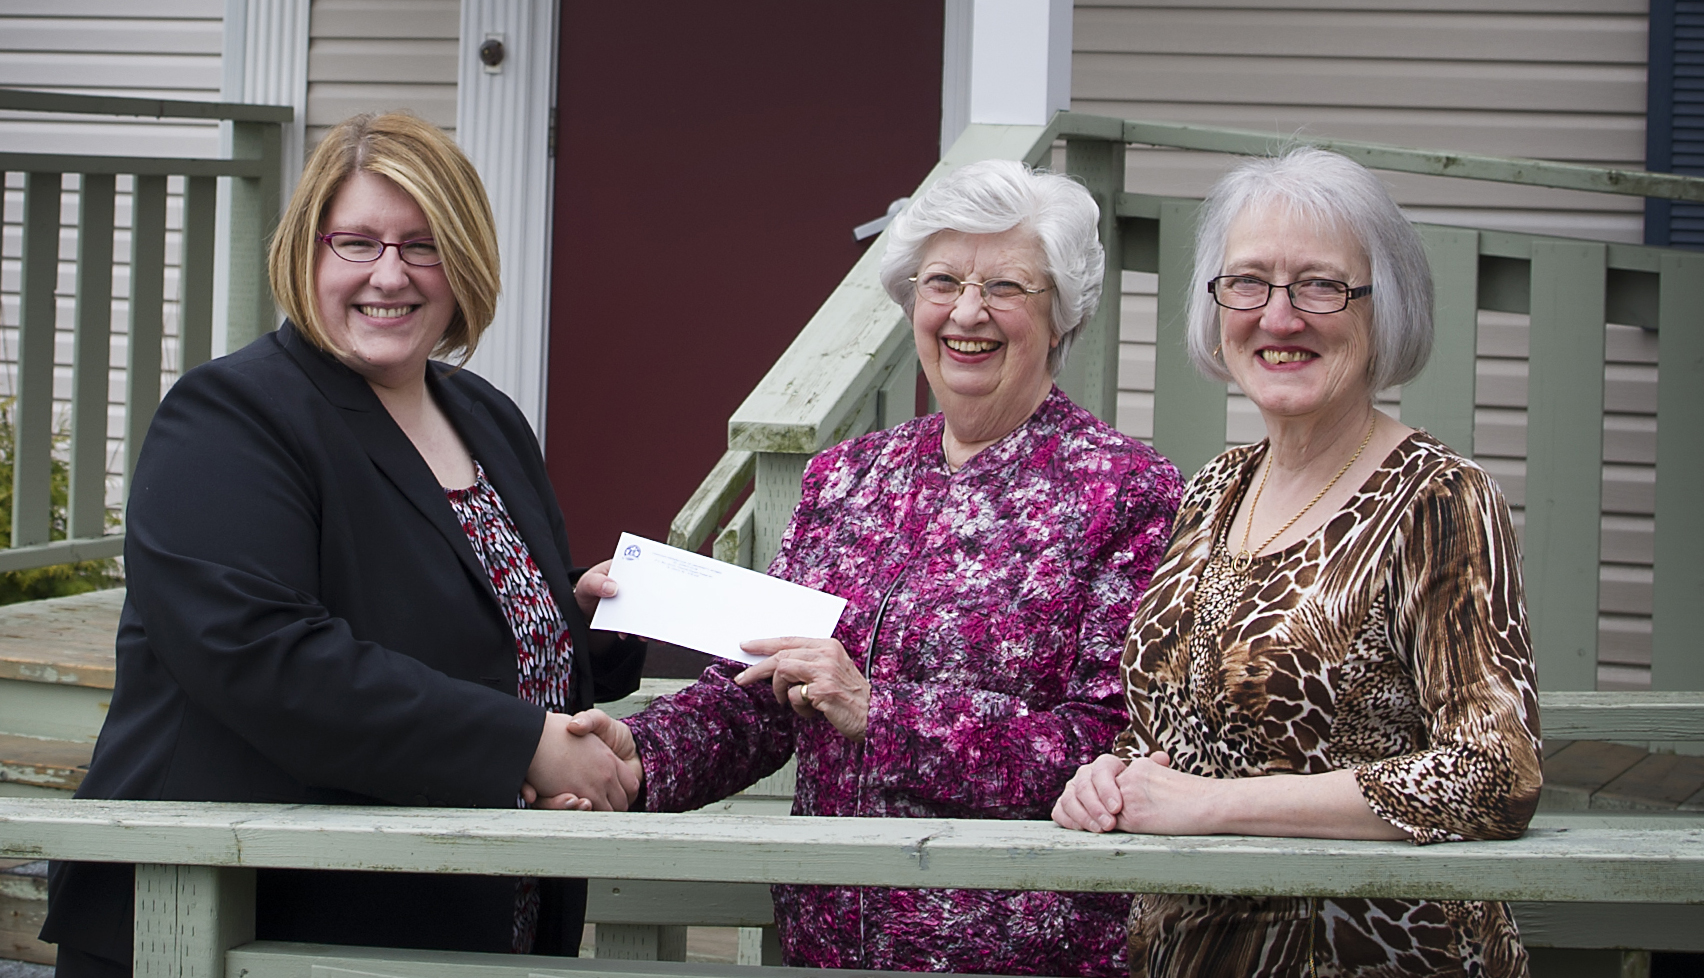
<point>1335,192</point>
<point>993,196</point>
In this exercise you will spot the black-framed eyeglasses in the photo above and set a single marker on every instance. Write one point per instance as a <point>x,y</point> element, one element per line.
<point>350,246</point>
<point>1320,295</point>
<point>944,290</point>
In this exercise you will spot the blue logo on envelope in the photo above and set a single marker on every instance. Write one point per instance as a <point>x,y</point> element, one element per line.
<point>631,553</point>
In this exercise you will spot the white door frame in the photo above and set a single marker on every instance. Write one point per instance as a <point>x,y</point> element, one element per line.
<point>504,122</point>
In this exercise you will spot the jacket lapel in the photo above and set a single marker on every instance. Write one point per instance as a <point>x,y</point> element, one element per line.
<point>503,469</point>
<point>390,450</point>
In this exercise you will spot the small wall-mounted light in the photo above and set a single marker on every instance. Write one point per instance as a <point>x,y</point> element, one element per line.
<point>492,53</point>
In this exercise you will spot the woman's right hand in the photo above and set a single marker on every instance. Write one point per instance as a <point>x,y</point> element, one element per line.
<point>571,763</point>
<point>1093,798</point>
<point>614,735</point>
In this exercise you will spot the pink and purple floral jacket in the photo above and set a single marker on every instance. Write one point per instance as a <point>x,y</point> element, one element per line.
<point>994,675</point>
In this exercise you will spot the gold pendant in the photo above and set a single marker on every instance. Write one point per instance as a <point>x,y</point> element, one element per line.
<point>1242,561</point>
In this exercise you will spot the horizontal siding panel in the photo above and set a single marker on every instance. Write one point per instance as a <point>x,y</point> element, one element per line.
<point>1473,6</point>
<point>1624,590</point>
<point>1628,539</point>
<point>331,102</point>
<point>1628,439</point>
<point>387,18</point>
<point>1624,640</point>
<point>1627,489</point>
<point>1400,36</point>
<point>1354,81</point>
<point>163,72</point>
<point>115,35</point>
<point>1576,137</point>
<point>394,61</point>
<point>190,9</point>
<point>1627,388</point>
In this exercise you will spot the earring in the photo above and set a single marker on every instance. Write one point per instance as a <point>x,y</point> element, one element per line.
<point>1218,352</point>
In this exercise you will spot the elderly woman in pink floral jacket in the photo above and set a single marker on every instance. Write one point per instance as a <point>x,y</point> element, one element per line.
<point>992,556</point>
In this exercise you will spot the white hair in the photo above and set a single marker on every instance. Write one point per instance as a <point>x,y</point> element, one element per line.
<point>994,196</point>
<point>1336,193</point>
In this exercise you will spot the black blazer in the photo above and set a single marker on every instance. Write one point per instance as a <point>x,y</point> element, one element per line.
<point>306,622</point>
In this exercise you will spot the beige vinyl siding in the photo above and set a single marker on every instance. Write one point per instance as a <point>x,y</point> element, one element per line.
<point>1552,79</point>
<point>376,55</point>
<point>163,49</point>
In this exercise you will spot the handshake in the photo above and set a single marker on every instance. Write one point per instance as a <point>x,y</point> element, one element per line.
<point>584,762</point>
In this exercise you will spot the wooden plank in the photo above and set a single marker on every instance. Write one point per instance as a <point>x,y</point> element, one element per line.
<point>1441,399</point>
<point>1573,775</point>
<point>86,509</point>
<point>270,959</point>
<point>15,98</point>
<point>1652,860</point>
<point>32,408</point>
<point>1173,71</point>
<point>187,917</point>
<point>1090,374</point>
<point>776,493</point>
<point>156,166</point>
<point>1564,460</point>
<point>658,902</point>
<point>61,552</point>
<point>57,711</point>
<point>147,313</point>
<point>44,763</point>
<point>734,544</point>
<point>729,477</point>
<point>1622,716</point>
<point>1658,781</point>
<point>195,322</point>
<point>1677,613</point>
<point>23,909</point>
<point>1651,926</point>
<point>640,942</point>
<point>254,214</point>
<point>1189,409</point>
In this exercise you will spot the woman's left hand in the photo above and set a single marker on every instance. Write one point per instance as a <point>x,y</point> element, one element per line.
<point>592,586</point>
<point>815,676</point>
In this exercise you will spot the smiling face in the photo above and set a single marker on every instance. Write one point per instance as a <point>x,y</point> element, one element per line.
<point>383,317</point>
<point>1297,364</point>
<point>988,362</point>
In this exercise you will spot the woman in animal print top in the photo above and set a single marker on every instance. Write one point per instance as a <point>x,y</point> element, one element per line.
<point>1341,603</point>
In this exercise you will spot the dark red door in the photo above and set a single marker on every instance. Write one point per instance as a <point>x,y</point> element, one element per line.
<point>711,162</point>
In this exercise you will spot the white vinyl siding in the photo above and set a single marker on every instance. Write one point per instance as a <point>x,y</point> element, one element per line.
<point>377,55</point>
<point>1551,79</point>
<point>160,49</point>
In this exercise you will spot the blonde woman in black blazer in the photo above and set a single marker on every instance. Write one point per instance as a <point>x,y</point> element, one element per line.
<point>308,620</point>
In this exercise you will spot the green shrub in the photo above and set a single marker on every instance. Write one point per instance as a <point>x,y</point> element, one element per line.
<point>58,580</point>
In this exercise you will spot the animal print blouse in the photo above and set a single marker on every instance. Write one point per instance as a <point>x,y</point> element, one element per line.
<point>1393,642</point>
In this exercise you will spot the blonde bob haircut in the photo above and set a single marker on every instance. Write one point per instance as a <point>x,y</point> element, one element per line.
<point>420,159</point>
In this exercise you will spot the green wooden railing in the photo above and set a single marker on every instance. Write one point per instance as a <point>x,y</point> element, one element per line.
<point>254,167</point>
<point>850,371</point>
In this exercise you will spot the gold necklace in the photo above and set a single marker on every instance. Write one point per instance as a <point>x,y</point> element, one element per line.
<point>1244,560</point>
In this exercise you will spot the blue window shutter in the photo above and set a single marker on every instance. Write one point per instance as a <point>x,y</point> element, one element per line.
<point>1674,133</point>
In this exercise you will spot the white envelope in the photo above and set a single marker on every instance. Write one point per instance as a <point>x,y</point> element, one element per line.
<point>677,596</point>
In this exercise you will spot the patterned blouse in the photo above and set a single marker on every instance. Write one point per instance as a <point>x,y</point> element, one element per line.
<point>544,651</point>
<point>1009,585</point>
<point>1392,642</point>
